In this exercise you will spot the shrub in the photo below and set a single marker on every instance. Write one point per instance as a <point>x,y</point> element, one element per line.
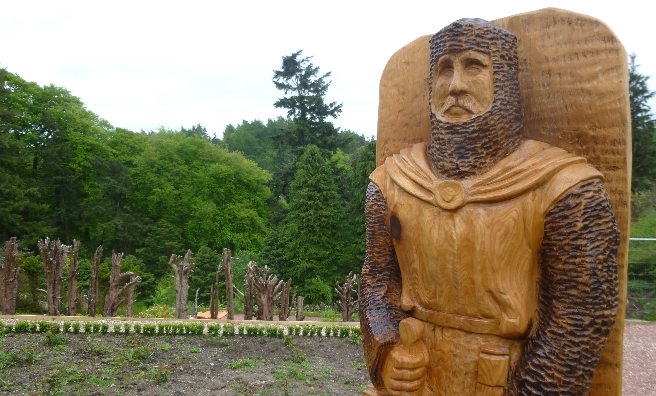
<point>137,328</point>
<point>273,332</point>
<point>214,329</point>
<point>88,327</point>
<point>149,329</point>
<point>21,327</point>
<point>157,311</point>
<point>294,330</point>
<point>195,328</point>
<point>75,326</point>
<point>228,330</point>
<point>104,328</point>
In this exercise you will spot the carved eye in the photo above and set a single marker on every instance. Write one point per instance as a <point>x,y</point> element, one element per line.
<point>445,68</point>
<point>446,72</point>
<point>473,67</point>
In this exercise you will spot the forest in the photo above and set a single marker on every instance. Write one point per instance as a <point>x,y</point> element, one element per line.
<point>287,193</point>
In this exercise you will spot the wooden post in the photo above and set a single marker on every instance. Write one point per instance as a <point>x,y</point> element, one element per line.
<point>195,313</point>
<point>227,267</point>
<point>72,279</point>
<point>93,281</point>
<point>53,257</point>
<point>285,302</point>
<point>345,292</point>
<point>130,295</point>
<point>299,309</point>
<point>112,301</point>
<point>214,294</point>
<point>182,269</point>
<point>9,278</point>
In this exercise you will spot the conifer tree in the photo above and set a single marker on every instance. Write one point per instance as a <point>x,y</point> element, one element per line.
<point>643,128</point>
<point>307,245</point>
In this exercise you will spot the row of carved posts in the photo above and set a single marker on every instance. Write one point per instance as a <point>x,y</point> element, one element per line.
<point>262,290</point>
<point>53,259</point>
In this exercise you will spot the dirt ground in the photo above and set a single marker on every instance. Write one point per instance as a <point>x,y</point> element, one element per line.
<point>79,364</point>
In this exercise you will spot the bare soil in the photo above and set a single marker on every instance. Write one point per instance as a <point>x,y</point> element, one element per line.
<point>78,364</point>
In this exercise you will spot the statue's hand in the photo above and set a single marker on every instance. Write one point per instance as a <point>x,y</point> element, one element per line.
<point>405,368</point>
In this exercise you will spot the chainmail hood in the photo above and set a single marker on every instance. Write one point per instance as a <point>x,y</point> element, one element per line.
<point>462,150</point>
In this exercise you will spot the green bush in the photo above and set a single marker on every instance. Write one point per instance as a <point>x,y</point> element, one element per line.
<point>149,329</point>
<point>228,330</point>
<point>157,311</point>
<point>75,326</point>
<point>137,328</point>
<point>294,330</point>
<point>104,328</point>
<point>273,332</point>
<point>214,329</point>
<point>21,327</point>
<point>88,327</point>
<point>195,328</point>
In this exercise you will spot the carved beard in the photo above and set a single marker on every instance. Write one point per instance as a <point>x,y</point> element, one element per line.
<point>462,150</point>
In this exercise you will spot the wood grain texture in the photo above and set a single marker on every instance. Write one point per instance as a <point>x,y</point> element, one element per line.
<point>574,88</point>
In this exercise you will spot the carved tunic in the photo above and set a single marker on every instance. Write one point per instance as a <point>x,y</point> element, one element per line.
<point>468,252</point>
<point>469,258</point>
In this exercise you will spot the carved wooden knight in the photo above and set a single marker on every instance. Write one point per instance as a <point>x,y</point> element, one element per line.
<point>491,258</point>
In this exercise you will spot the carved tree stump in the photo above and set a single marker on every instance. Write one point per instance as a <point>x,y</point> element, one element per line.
<point>299,309</point>
<point>130,295</point>
<point>93,281</point>
<point>182,269</point>
<point>266,289</point>
<point>9,278</point>
<point>214,294</point>
<point>285,301</point>
<point>227,267</point>
<point>72,279</point>
<point>53,257</point>
<point>112,301</point>
<point>345,292</point>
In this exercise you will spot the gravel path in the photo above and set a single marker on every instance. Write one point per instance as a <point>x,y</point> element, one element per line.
<point>639,375</point>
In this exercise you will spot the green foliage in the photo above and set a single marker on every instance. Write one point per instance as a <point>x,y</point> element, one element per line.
<point>274,332</point>
<point>306,245</point>
<point>643,129</point>
<point>205,262</point>
<point>329,315</point>
<point>299,79</point>
<point>241,364</point>
<point>159,374</point>
<point>54,339</point>
<point>214,329</point>
<point>149,329</point>
<point>228,330</point>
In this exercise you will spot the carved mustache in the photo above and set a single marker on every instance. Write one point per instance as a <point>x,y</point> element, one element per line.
<point>464,101</point>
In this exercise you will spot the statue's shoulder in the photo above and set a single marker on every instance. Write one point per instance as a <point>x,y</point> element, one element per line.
<point>533,165</point>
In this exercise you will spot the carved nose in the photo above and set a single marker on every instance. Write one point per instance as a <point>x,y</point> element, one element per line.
<point>457,84</point>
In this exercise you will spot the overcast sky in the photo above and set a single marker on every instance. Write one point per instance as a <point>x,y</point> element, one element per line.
<point>141,65</point>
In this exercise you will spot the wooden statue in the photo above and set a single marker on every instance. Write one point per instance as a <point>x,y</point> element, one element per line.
<point>494,259</point>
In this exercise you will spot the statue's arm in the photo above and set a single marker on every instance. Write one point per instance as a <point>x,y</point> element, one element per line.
<point>380,288</point>
<point>577,298</point>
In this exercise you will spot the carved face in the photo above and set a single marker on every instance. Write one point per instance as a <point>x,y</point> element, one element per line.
<point>463,86</point>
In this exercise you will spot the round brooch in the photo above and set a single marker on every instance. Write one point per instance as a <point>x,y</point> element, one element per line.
<point>449,195</point>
